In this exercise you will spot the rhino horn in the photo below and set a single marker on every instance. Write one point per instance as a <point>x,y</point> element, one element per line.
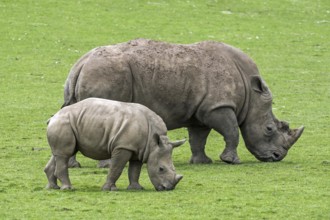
<point>178,177</point>
<point>295,135</point>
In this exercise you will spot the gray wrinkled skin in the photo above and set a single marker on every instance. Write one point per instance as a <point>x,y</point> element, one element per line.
<point>201,86</point>
<point>102,129</point>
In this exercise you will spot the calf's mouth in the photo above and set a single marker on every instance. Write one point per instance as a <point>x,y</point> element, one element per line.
<point>169,186</point>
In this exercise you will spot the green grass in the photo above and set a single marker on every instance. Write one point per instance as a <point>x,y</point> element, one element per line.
<point>289,41</point>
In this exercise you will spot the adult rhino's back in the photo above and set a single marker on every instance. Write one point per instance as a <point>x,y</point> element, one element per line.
<point>181,83</point>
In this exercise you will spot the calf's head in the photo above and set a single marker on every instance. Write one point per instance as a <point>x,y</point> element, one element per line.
<point>160,165</point>
<point>267,138</point>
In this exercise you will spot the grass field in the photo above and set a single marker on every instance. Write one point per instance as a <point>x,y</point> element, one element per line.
<point>288,39</point>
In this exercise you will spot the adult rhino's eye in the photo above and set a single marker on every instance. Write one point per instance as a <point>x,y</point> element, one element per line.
<point>161,169</point>
<point>269,130</point>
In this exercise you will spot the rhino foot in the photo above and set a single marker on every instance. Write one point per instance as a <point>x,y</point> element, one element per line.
<point>73,163</point>
<point>109,187</point>
<point>200,159</point>
<point>230,157</point>
<point>66,187</point>
<point>135,186</point>
<point>104,164</point>
<point>52,186</point>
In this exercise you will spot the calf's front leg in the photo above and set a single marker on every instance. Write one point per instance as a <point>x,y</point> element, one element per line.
<point>134,171</point>
<point>118,161</point>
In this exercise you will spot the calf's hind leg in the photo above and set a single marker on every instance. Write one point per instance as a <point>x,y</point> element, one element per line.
<point>62,172</point>
<point>50,173</point>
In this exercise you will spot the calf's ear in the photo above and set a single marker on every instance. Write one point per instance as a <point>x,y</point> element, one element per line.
<point>156,138</point>
<point>177,143</point>
<point>161,140</point>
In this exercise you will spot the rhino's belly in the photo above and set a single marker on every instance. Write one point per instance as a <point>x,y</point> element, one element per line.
<point>176,120</point>
<point>95,152</point>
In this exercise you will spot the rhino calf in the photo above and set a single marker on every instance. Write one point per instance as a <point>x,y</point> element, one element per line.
<point>102,129</point>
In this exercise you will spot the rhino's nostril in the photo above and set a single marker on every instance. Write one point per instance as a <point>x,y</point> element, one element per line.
<point>276,155</point>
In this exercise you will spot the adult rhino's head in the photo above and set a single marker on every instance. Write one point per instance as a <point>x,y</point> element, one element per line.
<point>267,138</point>
<point>160,165</point>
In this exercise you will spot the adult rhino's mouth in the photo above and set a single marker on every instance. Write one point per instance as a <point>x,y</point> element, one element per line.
<point>272,157</point>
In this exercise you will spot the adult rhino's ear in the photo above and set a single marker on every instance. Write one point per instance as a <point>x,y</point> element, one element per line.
<point>258,85</point>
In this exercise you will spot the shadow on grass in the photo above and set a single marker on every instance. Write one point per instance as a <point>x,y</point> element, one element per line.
<point>222,167</point>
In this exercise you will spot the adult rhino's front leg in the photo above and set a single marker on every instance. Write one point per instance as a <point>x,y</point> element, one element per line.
<point>197,141</point>
<point>224,121</point>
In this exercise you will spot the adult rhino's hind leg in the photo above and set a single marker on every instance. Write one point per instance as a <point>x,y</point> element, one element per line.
<point>50,173</point>
<point>104,163</point>
<point>73,163</point>
<point>197,141</point>
<point>224,121</point>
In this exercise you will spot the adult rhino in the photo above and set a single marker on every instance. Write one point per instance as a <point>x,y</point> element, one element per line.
<point>201,86</point>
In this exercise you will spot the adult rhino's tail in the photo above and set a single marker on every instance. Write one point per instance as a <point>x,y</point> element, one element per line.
<point>71,81</point>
